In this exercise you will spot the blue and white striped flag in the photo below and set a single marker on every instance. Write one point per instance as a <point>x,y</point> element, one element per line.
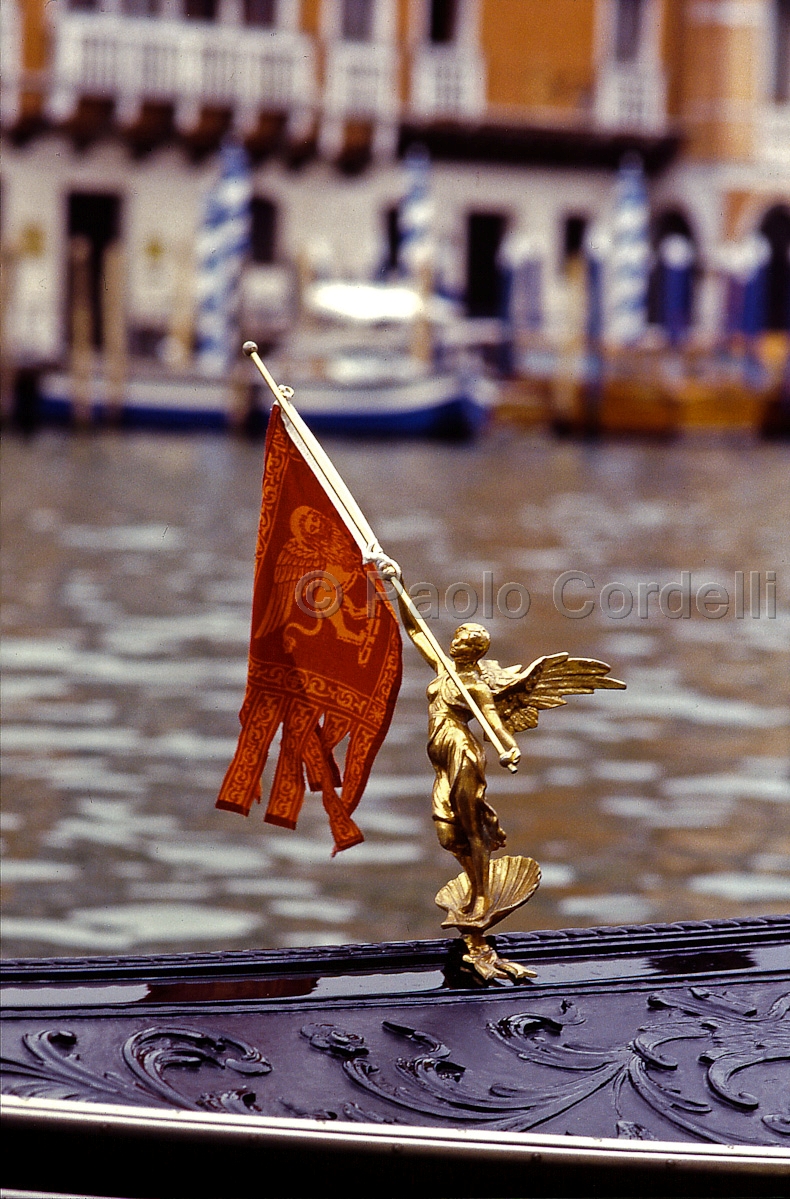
<point>630,258</point>
<point>222,248</point>
<point>415,218</point>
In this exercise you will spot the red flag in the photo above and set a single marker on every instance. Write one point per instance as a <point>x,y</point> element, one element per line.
<point>325,653</point>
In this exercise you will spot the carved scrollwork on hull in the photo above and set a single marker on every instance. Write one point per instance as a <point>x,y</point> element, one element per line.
<point>563,1070</point>
<point>739,1039</point>
<point>432,1084</point>
<point>686,1062</point>
<point>54,1069</point>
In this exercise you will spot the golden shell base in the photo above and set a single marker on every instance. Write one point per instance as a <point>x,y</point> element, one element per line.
<point>511,882</point>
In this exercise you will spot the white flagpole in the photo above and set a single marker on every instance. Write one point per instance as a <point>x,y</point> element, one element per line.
<point>348,507</point>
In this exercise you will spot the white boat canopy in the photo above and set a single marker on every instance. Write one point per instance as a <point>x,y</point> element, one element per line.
<point>367,303</point>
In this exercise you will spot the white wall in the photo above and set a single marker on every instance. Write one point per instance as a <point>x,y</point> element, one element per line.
<point>162,198</point>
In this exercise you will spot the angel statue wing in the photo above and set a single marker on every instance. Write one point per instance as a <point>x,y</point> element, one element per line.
<point>520,695</point>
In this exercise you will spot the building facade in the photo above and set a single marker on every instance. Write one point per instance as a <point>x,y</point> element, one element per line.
<point>113,110</point>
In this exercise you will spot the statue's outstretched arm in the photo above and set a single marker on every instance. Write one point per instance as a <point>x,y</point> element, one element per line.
<point>417,636</point>
<point>389,569</point>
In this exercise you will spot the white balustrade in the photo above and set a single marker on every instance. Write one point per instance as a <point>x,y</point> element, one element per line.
<point>773,134</point>
<point>630,96</point>
<point>448,82</point>
<point>183,62</point>
<point>361,80</point>
<point>157,68</point>
<point>11,55</point>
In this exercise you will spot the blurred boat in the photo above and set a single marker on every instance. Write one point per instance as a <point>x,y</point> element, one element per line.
<point>372,359</point>
<point>351,363</point>
<point>356,395</point>
<point>620,394</point>
<point>363,393</point>
<point>147,401</point>
<point>653,393</point>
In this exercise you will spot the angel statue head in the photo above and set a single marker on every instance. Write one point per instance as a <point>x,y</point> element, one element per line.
<point>469,643</point>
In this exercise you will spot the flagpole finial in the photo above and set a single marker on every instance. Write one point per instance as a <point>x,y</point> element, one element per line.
<point>249,348</point>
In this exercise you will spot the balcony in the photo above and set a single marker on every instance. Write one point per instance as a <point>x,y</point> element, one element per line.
<point>773,134</point>
<point>448,83</point>
<point>361,81</point>
<point>630,97</point>
<point>187,64</point>
<point>10,53</point>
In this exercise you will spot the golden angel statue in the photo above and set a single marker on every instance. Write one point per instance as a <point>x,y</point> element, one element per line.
<point>504,701</point>
<point>509,699</point>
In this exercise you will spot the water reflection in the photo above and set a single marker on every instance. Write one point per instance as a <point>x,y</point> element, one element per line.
<point>127,576</point>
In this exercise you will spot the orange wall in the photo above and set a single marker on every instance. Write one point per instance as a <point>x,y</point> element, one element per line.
<point>717,90</point>
<point>34,35</point>
<point>310,17</point>
<point>672,43</point>
<point>539,52</point>
<point>402,40</point>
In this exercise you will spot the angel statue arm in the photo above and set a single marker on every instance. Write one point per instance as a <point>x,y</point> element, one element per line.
<point>391,572</point>
<point>417,636</point>
<point>476,687</point>
<point>484,698</point>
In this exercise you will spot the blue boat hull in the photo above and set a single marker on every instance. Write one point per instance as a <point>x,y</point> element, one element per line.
<point>442,408</point>
<point>54,410</point>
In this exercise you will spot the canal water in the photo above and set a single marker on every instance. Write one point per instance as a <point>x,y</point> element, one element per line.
<point>127,575</point>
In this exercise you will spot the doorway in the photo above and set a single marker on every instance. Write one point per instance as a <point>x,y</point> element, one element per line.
<point>263,231</point>
<point>485,231</point>
<point>775,228</point>
<point>668,223</point>
<point>95,217</point>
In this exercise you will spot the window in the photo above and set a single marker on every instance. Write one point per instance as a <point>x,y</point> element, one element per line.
<point>670,223</point>
<point>628,30</point>
<point>357,20</point>
<point>140,8</point>
<point>444,15</point>
<point>781,80</point>
<point>263,232</point>
<point>200,10</point>
<point>573,236</point>
<point>262,13</point>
